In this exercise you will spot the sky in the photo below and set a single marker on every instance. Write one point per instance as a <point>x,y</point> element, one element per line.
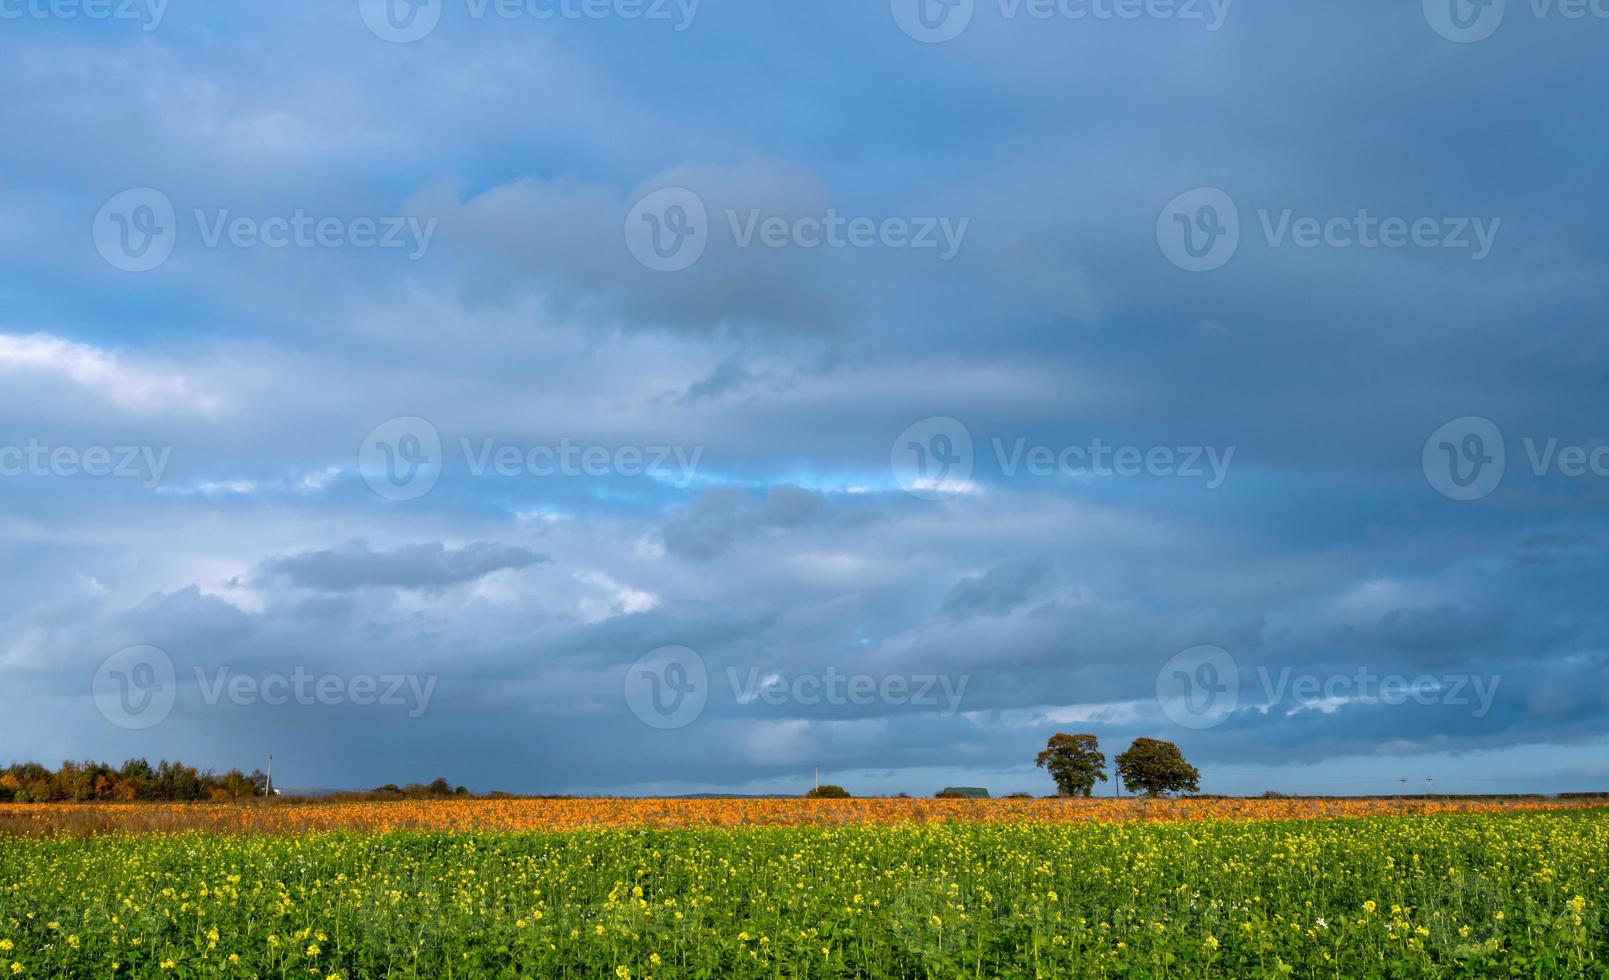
<point>660,397</point>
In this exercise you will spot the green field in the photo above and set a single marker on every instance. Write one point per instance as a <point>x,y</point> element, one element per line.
<point>1475,894</point>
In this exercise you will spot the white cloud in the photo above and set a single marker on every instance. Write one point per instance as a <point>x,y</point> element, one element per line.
<point>113,377</point>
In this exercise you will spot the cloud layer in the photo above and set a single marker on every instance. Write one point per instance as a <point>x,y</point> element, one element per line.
<point>875,460</point>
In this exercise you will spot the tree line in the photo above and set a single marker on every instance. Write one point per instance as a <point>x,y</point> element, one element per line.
<point>1150,766</point>
<point>1075,762</point>
<point>135,781</point>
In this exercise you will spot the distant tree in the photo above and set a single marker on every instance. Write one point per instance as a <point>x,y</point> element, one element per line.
<point>177,781</point>
<point>234,785</point>
<point>88,781</point>
<point>439,787</point>
<point>1155,767</point>
<point>828,792</point>
<point>1075,762</point>
<point>138,781</point>
<point>76,781</point>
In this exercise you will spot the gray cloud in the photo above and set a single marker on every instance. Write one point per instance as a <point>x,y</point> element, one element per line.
<point>414,566</point>
<point>716,518</point>
<point>1059,321</point>
<point>999,590</point>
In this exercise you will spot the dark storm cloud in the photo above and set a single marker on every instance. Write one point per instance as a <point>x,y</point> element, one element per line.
<point>792,551</point>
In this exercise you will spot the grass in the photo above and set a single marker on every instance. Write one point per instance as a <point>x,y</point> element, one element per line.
<point>1453,894</point>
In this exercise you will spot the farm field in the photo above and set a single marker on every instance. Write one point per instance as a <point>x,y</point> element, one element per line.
<point>1462,890</point>
<point>303,816</point>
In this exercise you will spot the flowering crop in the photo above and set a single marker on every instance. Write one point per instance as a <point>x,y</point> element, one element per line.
<point>584,814</point>
<point>1445,893</point>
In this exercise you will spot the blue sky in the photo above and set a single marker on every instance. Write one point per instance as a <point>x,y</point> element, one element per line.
<point>595,397</point>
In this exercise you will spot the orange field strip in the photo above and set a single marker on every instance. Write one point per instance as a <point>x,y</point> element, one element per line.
<point>291,817</point>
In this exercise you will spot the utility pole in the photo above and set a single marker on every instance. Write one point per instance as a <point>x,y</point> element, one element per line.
<point>268,786</point>
<point>1427,785</point>
<point>1404,781</point>
<point>818,777</point>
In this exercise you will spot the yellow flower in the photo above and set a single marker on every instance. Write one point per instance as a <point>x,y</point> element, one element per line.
<point>1368,906</point>
<point>312,949</point>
